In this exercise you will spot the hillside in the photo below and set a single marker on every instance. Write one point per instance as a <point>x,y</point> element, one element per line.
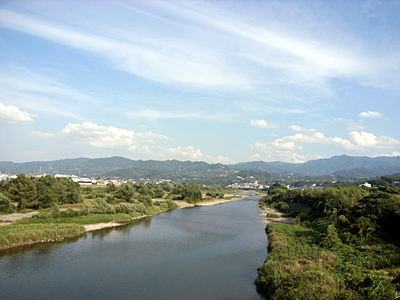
<point>338,166</point>
<point>344,165</point>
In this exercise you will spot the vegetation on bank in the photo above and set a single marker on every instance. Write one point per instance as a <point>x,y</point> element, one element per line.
<point>63,206</point>
<point>17,235</point>
<point>334,251</point>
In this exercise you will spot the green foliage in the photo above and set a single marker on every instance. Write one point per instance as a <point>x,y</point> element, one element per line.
<point>23,191</point>
<point>282,206</point>
<point>303,264</point>
<point>126,192</point>
<point>110,187</point>
<point>146,200</point>
<point>102,207</point>
<point>272,216</point>
<point>191,193</point>
<point>341,223</point>
<point>5,205</point>
<point>55,211</point>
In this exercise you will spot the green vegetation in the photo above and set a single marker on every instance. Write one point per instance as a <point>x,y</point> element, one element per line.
<point>334,250</point>
<point>62,203</point>
<point>272,215</point>
<point>17,235</point>
<point>29,192</point>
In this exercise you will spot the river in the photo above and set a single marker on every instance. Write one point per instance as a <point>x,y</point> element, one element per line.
<point>208,252</point>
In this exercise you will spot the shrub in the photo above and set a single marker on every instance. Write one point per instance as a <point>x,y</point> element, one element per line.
<point>5,205</point>
<point>283,206</point>
<point>272,216</point>
<point>55,211</point>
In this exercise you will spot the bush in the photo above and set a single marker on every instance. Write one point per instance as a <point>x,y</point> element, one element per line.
<point>272,216</point>
<point>282,206</point>
<point>55,211</point>
<point>5,205</point>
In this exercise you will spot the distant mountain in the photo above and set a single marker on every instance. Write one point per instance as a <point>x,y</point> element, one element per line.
<point>351,166</point>
<point>110,166</point>
<point>348,166</point>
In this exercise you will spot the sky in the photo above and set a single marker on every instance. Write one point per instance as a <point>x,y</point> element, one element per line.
<point>215,81</point>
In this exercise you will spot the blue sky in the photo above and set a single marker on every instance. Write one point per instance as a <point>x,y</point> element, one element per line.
<point>214,81</point>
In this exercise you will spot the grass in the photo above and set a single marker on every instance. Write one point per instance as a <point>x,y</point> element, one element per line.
<point>83,220</point>
<point>299,267</point>
<point>17,235</point>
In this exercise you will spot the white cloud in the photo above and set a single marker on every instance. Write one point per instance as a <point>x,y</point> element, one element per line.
<point>370,114</point>
<point>351,125</point>
<point>110,137</point>
<point>42,134</point>
<point>358,142</point>
<point>301,129</point>
<point>152,114</point>
<point>219,159</point>
<point>12,115</point>
<point>262,124</point>
<point>185,152</point>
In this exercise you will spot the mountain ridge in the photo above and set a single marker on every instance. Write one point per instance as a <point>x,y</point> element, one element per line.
<point>344,165</point>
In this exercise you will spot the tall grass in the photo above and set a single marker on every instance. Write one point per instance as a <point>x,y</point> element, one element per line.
<point>17,235</point>
<point>83,219</point>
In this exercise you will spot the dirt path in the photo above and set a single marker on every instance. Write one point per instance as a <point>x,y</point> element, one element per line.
<point>16,216</point>
<point>272,210</point>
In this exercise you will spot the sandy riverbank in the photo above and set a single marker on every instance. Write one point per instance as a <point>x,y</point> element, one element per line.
<point>181,204</point>
<point>271,210</point>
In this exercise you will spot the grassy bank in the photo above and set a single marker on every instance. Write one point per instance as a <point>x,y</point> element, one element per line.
<point>82,220</point>
<point>304,264</point>
<point>17,235</point>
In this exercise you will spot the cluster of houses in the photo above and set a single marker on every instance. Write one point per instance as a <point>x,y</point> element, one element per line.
<point>248,186</point>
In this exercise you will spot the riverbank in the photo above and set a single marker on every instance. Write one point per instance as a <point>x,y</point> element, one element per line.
<point>272,210</point>
<point>181,204</point>
<point>12,236</point>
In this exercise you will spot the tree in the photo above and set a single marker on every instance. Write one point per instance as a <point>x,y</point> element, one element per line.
<point>72,191</point>
<point>125,192</point>
<point>49,191</point>
<point>191,193</point>
<point>5,205</point>
<point>110,187</point>
<point>23,191</point>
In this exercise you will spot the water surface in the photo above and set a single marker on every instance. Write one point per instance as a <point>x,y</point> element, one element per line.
<point>194,253</point>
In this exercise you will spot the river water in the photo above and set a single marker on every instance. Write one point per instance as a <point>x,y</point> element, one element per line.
<point>208,252</point>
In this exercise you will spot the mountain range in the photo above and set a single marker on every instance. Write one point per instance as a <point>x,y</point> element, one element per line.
<point>344,166</point>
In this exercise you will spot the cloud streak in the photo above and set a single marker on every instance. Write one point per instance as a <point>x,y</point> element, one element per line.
<point>262,124</point>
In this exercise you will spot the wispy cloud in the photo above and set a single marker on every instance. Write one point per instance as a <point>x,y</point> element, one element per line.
<point>40,93</point>
<point>370,114</point>
<point>261,124</point>
<point>351,125</point>
<point>208,47</point>
<point>156,114</point>
<point>42,134</point>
